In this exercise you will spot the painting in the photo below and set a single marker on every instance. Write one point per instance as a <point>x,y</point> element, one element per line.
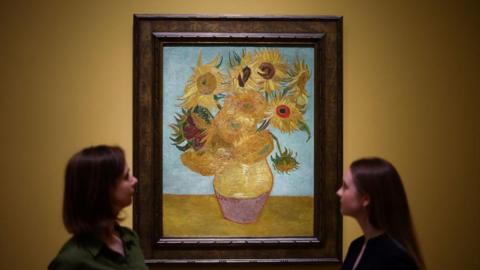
<point>235,116</point>
<point>237,144</point>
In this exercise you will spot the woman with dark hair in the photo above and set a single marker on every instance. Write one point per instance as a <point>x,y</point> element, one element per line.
<point>372,193</point>
<point>98,185</point>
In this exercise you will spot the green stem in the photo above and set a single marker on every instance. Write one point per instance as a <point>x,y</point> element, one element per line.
<point>276,140</point>
<point>218,106</point>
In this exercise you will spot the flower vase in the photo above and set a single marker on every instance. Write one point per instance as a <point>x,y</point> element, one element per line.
<point>243,189</point>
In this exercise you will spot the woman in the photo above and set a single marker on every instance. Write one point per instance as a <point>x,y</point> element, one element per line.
<point>98,185</point>
<point>373,194</point>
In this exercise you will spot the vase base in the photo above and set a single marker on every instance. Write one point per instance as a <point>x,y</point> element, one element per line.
<point>243,211</point>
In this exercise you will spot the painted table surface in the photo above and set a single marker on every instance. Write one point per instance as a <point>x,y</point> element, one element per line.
<point>199,215</point>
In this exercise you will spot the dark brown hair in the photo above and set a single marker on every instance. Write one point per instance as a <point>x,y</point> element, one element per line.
<point>388,209</point>
<point>90,176</point>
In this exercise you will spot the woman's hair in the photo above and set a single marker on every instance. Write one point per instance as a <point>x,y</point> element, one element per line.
<point>388,208</point>
<point>90,176</point>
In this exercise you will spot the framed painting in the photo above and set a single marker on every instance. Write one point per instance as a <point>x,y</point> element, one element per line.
<point>238,138</point>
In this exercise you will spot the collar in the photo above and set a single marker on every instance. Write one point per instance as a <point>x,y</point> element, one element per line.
<point>91,243</point>
<point>376,238</point>
<point>94,245</point>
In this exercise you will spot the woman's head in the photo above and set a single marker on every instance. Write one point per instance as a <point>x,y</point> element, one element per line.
<point>97,187</point>
<point>373,188</point>
<point>380,182</point>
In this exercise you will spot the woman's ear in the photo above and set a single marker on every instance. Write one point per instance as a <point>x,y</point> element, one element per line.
<point>365,200</point>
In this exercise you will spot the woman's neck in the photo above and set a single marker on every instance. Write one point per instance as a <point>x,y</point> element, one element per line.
<point>369,231</point>
<point>108,230</point>
<point>113,241</point>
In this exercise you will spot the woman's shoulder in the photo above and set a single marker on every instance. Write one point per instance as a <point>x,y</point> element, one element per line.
<point>393,254</point>
<point>387,244</point>
<point>74,253</point>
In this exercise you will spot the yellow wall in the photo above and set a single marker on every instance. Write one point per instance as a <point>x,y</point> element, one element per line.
<point>411,87</point>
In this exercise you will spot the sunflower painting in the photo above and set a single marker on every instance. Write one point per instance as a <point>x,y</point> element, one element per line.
<point>237,143</point>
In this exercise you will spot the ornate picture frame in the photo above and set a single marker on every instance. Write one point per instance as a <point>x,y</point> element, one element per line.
<point>171,159</point>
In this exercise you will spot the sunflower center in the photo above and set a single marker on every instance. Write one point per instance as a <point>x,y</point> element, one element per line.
<point>268,70</point>
<point>283,111</point>
<point>235,125</point>
<point>247,106</point>
<point>206,83</point>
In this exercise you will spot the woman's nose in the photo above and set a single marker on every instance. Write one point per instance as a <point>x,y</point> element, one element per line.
<point>135,180</point>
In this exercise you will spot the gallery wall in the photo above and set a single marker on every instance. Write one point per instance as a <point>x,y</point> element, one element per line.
<point>410,95</point>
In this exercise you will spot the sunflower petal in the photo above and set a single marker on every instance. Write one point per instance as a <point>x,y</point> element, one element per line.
<point>199,59</point>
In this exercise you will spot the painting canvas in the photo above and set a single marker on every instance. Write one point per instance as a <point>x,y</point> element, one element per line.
<point>238,157</point>
<point>237,138</point>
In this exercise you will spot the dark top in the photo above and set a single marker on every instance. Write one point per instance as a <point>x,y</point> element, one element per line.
<point>381,253</point>
<point>89,253</point>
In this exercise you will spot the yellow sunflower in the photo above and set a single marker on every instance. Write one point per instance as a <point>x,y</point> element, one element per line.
<point>222,150</point>
<point>284,115</point>
<point>299,75</point>
<point>215,142</point>
<point>254,147</point>
<point>241,74</point>
<point>202,162</point>
<point>270,69</point>
<point>211,158</point>
<point>206,81</point>
<point>246,103</point>
<point>285,162</point>
<point>231,126</point>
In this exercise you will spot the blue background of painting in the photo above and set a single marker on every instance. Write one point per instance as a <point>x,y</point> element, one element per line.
<point>178,64</point>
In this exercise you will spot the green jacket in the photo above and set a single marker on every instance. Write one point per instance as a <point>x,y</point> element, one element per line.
<point>89,253</point>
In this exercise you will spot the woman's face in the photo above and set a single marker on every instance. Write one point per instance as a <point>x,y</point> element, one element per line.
<point>352,203</point>
<point>122,193</point>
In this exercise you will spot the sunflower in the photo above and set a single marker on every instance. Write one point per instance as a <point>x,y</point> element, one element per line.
<point>270,70</point>
<point>231,126</point>
<point>240,72</point>
<point>188,129</point>
<point>202,162</point>
<point>285,162</point>
<point>205,82</point>
<point>212,140</point>
<point>299,75</point>
<point>254,147</point>
<point>284,115</point>
<point>211,158</point>
<point>246,103</point>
